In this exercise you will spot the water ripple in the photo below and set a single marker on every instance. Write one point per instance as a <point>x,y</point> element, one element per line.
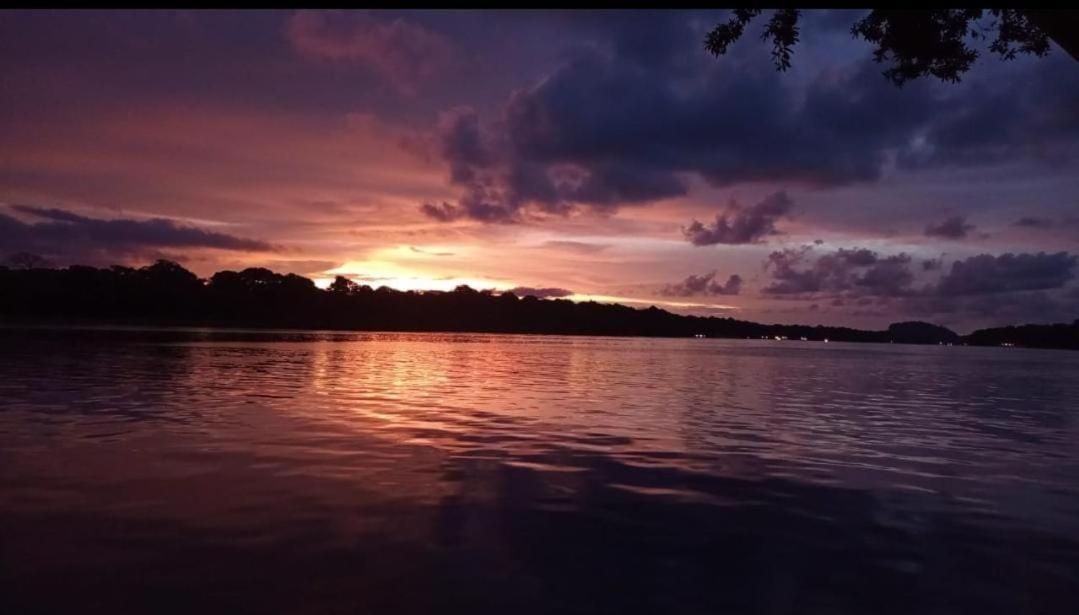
<point>537,473</point>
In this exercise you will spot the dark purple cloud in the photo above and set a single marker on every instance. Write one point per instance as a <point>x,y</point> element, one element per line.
<point>738,224</point>
<point>994,288</point>
<point>66,236</point>
<point>540,293</point>
<point>987,274</point>
<point>865,272</point>
<point>704,285</point>
<point>615,126</point>
<point>1034,222</point>
<point>955,227</point>
<point>856,271</point>
<point>1022,111</point>
<point>628,120</point>
<point>994,309</point>
<point>499,184</point>
<point>725,122</point>
<point>603,132</point>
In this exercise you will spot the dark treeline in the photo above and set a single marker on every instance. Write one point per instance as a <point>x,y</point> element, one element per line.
<point>167,294</point>
<point>1059,335</point>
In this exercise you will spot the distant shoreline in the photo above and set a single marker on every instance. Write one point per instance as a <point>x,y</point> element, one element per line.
<point>102,326</point>
<point>165,295</point>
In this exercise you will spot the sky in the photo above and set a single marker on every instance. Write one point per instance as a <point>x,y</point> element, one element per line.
<point>589,155</point>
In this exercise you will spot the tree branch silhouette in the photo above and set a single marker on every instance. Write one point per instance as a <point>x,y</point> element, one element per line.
<point>922,42</point>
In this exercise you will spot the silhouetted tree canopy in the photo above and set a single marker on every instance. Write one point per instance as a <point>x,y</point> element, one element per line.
<point>343,285</point>
<point>920,42</point>
<point>165,293</point>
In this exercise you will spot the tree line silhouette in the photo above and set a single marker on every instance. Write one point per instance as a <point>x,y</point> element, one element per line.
<point>165,293</point>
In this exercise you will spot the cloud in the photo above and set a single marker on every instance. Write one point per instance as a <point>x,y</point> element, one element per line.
<point>638,113</point>
<point>705,284</point>
<point>581,247</point>
<point>612,128</point>
<point>1025,111</point>
<point>996,309</point>
<point>986,274</point>
<point>933,264</point>
<point>996,288</point>
<point>738,224</point>
<point>1034,222</point>
<point>429,252</point>
<point>955,227</point>
<point>540,293</point>
<point>443,212</point>
<point>405,54</point>
<point>67,236</point>
<point>499,186</point>
<point>864,272</point>
<point>722,121</point>
<point>857,271</point>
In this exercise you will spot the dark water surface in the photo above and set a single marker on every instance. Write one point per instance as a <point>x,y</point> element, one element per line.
<point>287,472</point>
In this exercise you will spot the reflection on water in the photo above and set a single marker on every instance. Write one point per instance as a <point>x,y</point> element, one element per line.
<point>288,472</point>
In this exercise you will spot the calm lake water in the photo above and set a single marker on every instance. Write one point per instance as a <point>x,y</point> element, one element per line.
<point>295,472</point>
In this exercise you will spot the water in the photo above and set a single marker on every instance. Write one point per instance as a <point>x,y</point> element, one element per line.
<point>289,472</point>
